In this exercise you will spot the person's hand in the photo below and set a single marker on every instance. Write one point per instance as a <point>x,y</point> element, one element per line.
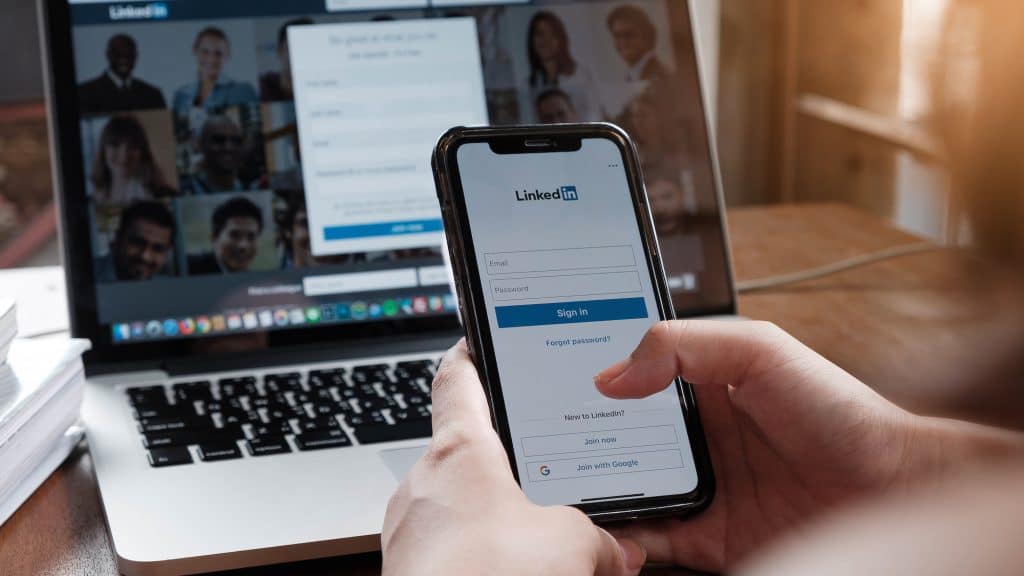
<point>460,511</point>
<point>790,434</point>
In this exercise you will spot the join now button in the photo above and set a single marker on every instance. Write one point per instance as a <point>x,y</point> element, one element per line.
<point>570,312</point>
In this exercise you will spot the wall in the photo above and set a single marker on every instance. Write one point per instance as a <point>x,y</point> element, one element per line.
<point>19,35</point>
<point>707,19</point>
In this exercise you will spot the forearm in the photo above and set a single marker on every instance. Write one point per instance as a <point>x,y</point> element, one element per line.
<point>937,446</point>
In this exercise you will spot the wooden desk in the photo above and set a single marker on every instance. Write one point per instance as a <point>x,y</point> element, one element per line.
<point>883,323</point>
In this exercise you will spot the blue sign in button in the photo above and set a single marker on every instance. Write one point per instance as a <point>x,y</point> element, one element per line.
<point>382,229</point>
<point>570,312</point>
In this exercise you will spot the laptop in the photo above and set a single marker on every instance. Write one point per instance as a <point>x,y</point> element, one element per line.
<point>253,243</point>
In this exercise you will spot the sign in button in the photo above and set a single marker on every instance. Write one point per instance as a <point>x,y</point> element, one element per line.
<point>570,312</point>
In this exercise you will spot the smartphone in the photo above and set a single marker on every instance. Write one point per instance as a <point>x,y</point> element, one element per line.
<point>556,265</point>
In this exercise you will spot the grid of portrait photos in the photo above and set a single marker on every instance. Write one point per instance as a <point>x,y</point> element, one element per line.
<point>190,141</point>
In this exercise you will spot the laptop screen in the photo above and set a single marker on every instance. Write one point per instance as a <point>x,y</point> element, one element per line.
<point>261,166</point>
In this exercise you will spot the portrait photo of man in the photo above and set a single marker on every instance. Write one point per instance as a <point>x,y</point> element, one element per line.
<point>117,89</point>
<point>635,39</point>
<point>554,106</point>
<point>222,148</point>
<point>236,228</point>
<point>142,244</point>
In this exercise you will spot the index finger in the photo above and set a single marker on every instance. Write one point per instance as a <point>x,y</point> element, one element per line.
<point>457,395</point>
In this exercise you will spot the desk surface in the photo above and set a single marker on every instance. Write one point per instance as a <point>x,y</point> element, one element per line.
<point>884,324</point>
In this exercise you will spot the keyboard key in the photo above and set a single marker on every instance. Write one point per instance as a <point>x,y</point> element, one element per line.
<point>278,428</point>
<point>241,417</point>
<point>188,392</point>
<point>169,424</point>
<point>415,365</point>
<point>322,439</point>
<point>219,450</point>
<point>376,403</point>
<point>412,400</point>
<point>332,408</point>
<point>418,413</point>
<point>275,400</point>
<point>234,387</point>
<point>170,456</point>
<point>315,424</point>
<point>291,382</point>
<point>370,374</point>
<point>147,395</point>
<point>161,439</point>
<point>284,412</point>
<point>365,419</point>
<point>322,378</point>
<point>411,370</point>
<point>375,433</point>
<point>267,445</point>
<point>225,405</point>
<point>188,437</point>
<point>162,410</point>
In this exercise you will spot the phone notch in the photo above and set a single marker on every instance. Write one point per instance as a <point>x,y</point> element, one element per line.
<point>536,144</point>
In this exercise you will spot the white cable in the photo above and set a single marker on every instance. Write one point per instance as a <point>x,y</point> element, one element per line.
<point>837,267</point>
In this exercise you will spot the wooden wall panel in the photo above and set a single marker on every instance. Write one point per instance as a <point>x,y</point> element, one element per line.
<point>848,51</point>
<point>748,100</point>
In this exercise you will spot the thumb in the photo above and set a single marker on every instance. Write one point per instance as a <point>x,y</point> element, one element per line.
<point>704,352</point>
<point>616,558</point>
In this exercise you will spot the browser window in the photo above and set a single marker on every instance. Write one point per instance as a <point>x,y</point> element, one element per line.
<point>370,99</point>
<point>563,302</point>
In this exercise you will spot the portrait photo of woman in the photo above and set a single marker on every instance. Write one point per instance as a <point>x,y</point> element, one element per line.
<point>124,166</point>
<point>212,89</point>
<point>550,53</point>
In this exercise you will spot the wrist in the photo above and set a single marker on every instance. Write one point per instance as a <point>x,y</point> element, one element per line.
<point>936,446</point>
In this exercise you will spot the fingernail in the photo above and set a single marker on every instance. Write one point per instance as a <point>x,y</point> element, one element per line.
<point>633,555</point>
<point>610,373</point>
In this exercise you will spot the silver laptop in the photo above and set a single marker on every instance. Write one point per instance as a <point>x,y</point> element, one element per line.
<point>253,243</point>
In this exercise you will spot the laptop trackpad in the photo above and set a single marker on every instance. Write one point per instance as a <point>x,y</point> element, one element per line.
<point>400,460</point>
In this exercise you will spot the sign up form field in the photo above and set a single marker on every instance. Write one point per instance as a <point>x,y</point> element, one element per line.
<point>371,100</point>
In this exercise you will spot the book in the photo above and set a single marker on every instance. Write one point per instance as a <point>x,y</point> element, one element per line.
<point>41,390</point>
<point>8,326</point>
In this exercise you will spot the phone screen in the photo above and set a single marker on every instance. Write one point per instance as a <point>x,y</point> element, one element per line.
<point>568,291</point>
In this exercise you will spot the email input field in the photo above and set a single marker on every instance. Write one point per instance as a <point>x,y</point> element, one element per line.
<point>560,260</point>
<point>571,286</point>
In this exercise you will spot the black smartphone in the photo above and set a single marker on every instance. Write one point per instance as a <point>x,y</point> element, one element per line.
<point>558,274</point>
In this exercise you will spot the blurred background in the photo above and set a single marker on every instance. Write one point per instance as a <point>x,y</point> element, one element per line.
<point>812,101</point>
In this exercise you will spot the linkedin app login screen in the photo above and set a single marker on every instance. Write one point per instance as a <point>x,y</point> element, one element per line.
<point>568,292</point>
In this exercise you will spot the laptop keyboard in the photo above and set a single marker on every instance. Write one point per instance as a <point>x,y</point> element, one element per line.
<point>230,418</point>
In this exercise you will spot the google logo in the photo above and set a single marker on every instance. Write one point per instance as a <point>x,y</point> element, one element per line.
<point>544,470</point>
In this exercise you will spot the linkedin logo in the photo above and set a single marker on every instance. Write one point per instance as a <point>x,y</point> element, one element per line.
<point>151,11</point>
<point>566,193</point>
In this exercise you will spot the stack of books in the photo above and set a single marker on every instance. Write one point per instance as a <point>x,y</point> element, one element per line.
<point>8,327</point>
<point>41,388</point>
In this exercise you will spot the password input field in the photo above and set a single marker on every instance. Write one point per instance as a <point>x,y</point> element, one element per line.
<point>562,260</point>
<point>325,285</point>
<point>570,286</point>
